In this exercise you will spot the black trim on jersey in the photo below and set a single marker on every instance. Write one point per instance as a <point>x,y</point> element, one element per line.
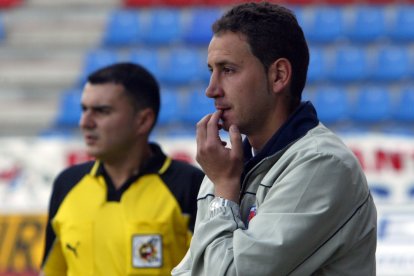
<point>62,185</point>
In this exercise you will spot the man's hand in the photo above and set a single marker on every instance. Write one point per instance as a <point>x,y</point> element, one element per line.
<point>222,165</point>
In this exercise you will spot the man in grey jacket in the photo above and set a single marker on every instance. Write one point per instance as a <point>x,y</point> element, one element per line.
<point>291,199</point>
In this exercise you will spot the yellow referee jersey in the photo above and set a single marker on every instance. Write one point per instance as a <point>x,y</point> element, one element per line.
<point>143,229</point>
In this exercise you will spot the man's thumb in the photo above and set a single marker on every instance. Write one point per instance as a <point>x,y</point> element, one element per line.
<point>236,140</point>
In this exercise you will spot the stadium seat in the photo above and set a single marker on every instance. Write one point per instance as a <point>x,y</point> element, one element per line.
<point>382,2</point>
<point>220,2</point>
<point>410,191</point>
<point>366,23</point>
<point>318,65</point>
<point>332,104</point>
<point>392,63</point>
<point>2,29</point>
<point>401,26</point>
<point>182,66</point>
<point>404,109</point>
<point>95,60</point>
<point>323,24</point>
<point>205,73</point>
<point>170,107</point>
<point>139,3</point>
<point>301,2</point>
<point>150,59</point>
<point>164,26</point>
<point>372,105</point>
<point>342,2</point>
<point>198,29</point>
<point>7,4</point>
<point>123,28</point>
<point>181,3</point>
<point>197,106</point>
<point>69,109</point>
<point>350,63</point>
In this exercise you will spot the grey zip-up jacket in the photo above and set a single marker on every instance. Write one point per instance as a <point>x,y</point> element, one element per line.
<point>304,210</point>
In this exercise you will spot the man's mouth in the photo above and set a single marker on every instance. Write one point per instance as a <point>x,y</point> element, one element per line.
<point>90,139</point>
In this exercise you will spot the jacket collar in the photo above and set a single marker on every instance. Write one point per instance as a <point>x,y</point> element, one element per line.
<point>297,125</point>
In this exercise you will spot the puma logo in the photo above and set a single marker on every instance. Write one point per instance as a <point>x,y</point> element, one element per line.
<point>74,249</point>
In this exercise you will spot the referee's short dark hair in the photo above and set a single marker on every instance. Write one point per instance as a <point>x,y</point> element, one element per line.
<point>139,84</point>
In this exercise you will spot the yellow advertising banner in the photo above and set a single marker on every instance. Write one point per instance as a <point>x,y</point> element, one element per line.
<point>21,243</point>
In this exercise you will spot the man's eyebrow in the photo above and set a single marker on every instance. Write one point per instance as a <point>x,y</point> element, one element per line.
<point>96,107</point>
<point>222,63</point>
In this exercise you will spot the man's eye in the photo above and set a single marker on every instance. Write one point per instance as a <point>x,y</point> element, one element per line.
<point>227,70</point>
<point>104,111</point>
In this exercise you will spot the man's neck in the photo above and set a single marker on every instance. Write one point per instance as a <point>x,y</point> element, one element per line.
<point>121,170</point>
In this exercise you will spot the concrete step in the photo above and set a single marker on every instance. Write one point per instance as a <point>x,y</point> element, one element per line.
<point>56,70</point>
<point>64,28</point>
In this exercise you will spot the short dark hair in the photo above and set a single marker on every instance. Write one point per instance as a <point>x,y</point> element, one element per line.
<point>139,84</point>
<point>272,32</point>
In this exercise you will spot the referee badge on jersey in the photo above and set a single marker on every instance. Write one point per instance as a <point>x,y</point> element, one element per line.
<point>146,251</point>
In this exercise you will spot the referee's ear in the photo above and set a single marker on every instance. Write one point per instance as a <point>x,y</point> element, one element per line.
<point>144,120</point>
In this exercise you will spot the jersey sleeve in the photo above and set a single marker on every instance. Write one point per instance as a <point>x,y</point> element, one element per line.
<point>63,183</point>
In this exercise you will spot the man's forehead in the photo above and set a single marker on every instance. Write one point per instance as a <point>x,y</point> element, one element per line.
<point>228,47</point>
<point>103,94</point>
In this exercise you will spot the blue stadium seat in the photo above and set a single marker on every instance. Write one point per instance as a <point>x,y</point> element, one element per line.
<point>318,65</point>
<point>182,66</point>
<point>204,70</point>
<point>170,107</point>
<point>350,63</point>
<point>299,11</point>
<point>199,26</point>
<point>404,109</point>
<point>392,63</point>
<point>410,191</point>
<point>2,29</point>
<point>197,106</point>
<point>332,104</point>
<point>401,27</point>
<point>324,24</point>
<point>123,28</point>
<point>95,60</point>
<point>366,24</point>
<point>150,59</point>
<point>164,26</point>
<point>69,109</point>
<point>372,105</point>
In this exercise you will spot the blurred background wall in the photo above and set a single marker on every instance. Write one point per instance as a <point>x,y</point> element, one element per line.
<point>361,80</point>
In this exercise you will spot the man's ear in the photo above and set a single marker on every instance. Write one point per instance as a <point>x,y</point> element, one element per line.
<point>144,120</point>
<point>280,74</point>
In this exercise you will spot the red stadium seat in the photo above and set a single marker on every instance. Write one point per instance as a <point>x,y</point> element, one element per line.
<point>302,2</point>
<point>177,3</point>
<point>341,2</point>
<point>140,3</point>
<point>381,2</point>
<point>4,4</point>
<point>180,3</point>
<point>221,2</point>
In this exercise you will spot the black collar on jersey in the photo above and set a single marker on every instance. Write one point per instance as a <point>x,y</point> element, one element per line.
<point>297,125</point>
<point>156,164</point>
